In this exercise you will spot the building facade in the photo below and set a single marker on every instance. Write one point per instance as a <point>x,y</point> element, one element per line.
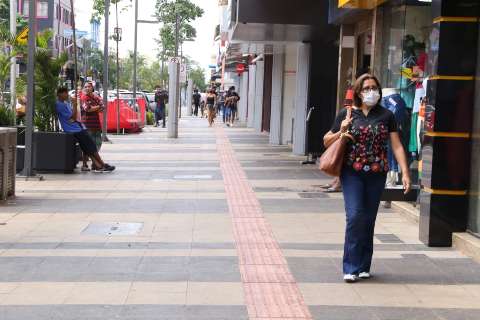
<point>425,52</point>
<point>302,58</point>
<point>289,54</point>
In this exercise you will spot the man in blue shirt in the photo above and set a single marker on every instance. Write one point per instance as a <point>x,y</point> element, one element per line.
<point>68,119</point>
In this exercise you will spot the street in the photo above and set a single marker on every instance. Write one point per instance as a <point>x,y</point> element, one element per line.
<point>217,224</point>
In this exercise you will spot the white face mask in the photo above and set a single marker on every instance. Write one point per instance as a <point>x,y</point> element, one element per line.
<point>371,98</point>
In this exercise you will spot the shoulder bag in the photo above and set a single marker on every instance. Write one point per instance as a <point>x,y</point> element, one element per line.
<point>331,162</point>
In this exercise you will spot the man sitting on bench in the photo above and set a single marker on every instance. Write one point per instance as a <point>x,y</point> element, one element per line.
<point>68,119</point>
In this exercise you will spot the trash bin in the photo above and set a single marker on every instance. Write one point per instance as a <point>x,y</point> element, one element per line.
<point>8,154</point>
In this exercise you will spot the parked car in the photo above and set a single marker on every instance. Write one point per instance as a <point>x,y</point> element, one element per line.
<point>132,113</point>
<point>150,98</point>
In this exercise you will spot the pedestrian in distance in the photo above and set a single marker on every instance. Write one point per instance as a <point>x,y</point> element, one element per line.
<point>365,170</point>
<point>196,101</point>
<point>211,109</point>
<point>92,106</point>
<point>161,99</point>
<point>231,102</point>
<point>68,117</point>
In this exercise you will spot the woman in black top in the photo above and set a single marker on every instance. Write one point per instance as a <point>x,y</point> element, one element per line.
<point>211,102</point>
<point>365,169</point>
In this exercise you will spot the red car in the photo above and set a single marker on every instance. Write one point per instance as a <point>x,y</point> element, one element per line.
<point>132,114</point>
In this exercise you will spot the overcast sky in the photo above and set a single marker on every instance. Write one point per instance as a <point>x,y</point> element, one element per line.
<point>201,50</point>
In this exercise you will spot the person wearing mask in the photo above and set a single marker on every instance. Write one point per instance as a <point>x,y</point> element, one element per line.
<point>365,169</point>
<point>161,98</point>
<point>231,102</point>
<point>67,115</point>
<point>196,101</point>
<point>92,106</point>
<point>211,103</point>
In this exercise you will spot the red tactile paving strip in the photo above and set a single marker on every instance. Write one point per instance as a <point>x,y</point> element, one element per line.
<point>271,292</point>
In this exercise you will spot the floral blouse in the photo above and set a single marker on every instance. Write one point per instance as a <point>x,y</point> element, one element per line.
<point>368,153</point>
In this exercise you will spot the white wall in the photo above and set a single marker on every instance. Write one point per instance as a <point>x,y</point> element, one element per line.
<point>289,91</point>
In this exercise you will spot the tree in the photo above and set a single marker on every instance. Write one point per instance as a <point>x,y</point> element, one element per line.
<point>197,74</point>
<point>5,16</point>
<point>166,12</point>
<point>99,8</point>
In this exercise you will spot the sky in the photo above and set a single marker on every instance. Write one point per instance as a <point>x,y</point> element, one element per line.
<point>201,50</point>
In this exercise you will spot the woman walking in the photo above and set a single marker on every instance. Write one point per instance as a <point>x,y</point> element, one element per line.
<point>365,169</point>
<point>211,104</point>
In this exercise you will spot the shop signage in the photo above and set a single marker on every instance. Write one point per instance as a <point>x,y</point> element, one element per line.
<point>359,4</point>
<point>240,68</point>
<point>22,37</point>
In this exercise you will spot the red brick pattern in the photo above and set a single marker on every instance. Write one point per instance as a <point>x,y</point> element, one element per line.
<point>270,289</point>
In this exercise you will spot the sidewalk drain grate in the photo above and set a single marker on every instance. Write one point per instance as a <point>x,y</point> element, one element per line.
<point>113,228</point>
<point>388,238</point>
<point>312,195</point>
<point>193,177</point>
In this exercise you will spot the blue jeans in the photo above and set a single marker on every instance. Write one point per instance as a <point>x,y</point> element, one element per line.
<point>362,192</point>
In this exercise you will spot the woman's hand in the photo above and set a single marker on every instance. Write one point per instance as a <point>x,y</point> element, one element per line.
<point>345,125</point>
<point>407,182</point>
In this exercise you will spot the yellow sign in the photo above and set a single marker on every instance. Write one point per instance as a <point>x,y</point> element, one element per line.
<point>22,38</point>
<point>360,4</point>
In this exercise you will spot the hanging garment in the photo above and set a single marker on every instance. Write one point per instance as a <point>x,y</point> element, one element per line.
<point>394,102</point>
<point>413,145</point>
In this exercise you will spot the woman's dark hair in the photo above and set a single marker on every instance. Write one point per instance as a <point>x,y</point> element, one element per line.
<point>62,90</point>
<point>358,86</point>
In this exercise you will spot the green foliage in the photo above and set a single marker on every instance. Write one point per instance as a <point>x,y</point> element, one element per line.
<point>5,16</point>
<point>7,116</point>
<point>47,80</point>
<point>166,12</point>
<point>197,74</point>
<point>99,8</point>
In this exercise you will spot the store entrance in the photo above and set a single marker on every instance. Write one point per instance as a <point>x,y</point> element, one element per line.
<point>364,52</point>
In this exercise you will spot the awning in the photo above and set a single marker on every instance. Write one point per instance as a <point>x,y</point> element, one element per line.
<point>360,4</point>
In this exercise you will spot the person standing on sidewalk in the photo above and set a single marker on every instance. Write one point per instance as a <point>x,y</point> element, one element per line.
<point>231,102</point>
<point>161,98</point>
<point>196,102</point>
<point>92,106</point>
<point>365,170</point>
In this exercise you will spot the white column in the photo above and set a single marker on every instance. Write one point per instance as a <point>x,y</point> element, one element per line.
<point>260,75</point>
<point>173,101</point>
<point>301,99</point>
<point>277,95</point>
<point>243,104</point>
<point>251,95</point>
<point>189,97</point>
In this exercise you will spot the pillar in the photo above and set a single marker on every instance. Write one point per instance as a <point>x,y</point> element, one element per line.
<point>252,75</point>
<point>243,104</point>
<point>301,98</point>
<point>446,148</point>
<point>277,95</point>
<point>260,75</point>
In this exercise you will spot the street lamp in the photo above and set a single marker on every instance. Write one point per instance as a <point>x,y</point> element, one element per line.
<point>105,72</point>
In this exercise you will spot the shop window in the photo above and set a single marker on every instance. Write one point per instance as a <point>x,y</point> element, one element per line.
<point>406,33</point>
<point>42,8</point>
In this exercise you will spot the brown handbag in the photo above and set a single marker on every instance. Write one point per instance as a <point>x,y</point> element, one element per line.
<point>331,162</point>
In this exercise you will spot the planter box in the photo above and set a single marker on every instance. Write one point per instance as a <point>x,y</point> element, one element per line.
<point>53,152</point>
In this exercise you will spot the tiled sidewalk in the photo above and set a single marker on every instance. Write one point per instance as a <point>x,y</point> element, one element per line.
<point>205,206</point>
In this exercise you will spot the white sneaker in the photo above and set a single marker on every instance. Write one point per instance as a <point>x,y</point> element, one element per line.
<point>364,275</point>
<point>349,278</point>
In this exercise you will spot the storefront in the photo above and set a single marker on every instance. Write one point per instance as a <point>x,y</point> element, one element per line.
<point>424,54</point>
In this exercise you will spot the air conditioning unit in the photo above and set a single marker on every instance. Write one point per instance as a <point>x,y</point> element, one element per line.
<point>8,154</point>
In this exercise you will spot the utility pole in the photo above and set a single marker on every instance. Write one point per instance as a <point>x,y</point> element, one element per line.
<point>135,48</point>
<point>105,72</point>
<point>13,66</point>
<point>32,43</point>
<point>117,39</point>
